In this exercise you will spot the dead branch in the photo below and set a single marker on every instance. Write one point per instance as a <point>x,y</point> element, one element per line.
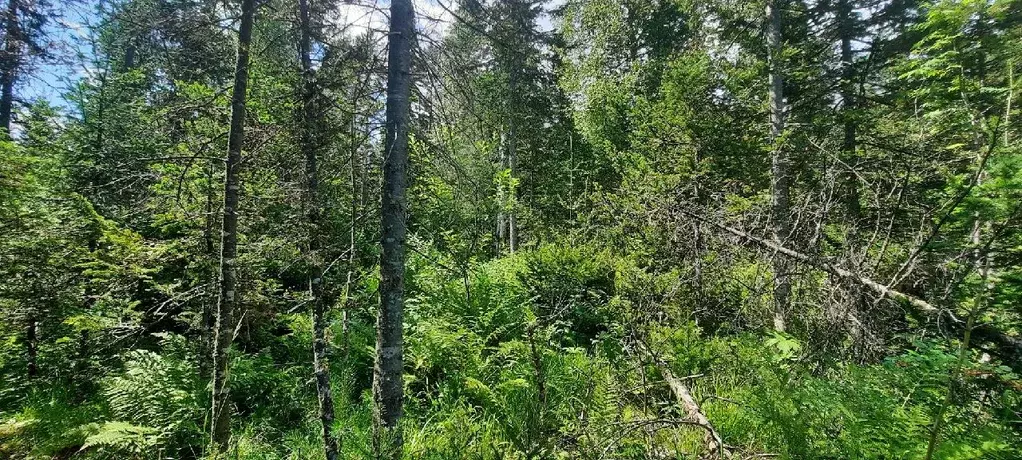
<point>693,413</point>
<point>1010,347</point>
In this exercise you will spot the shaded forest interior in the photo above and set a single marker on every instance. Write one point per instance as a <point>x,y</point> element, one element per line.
<point>510,229</point>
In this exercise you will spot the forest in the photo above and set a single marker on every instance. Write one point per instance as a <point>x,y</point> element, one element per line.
<point>510,229</point>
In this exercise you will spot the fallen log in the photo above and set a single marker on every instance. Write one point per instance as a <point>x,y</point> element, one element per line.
<point>693,413</point>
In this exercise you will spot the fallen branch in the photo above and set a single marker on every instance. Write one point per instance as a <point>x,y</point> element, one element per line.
<point>693,413</point>
<point>1011,347</point>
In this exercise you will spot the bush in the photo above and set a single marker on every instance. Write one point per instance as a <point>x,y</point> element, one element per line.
<point>570,287</point>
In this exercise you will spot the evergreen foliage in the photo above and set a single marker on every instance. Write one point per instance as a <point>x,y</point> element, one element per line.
<point>590,271</point>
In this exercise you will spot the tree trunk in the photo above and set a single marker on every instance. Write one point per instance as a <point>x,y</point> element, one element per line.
<point>357,185</point>
<point>780,174</point>
<point>502,198</point>
<point>848,184</point>
<point>981,264</point>
<point>539,371</point>
<point>387,374</point>
<point>129,57</point>
<point>310,145</point>
<point>512,162</point>
<point>848,105</point>
<point>697,234</point>
<point>79,379</point>
<point>224,328</point>
<point>208,299</point>
<point>10,63</point>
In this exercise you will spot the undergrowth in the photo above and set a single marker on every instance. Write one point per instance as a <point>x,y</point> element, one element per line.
<point>530,356</point>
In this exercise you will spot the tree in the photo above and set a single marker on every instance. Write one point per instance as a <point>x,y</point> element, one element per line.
<point>229,299</point>
<point>24,36</point>
<point>512,38</point>
<point>629,143</point>
<point>498,71</point>
<point>309,138</point>
<point>388,381</point>
<point>780,169</point>
<point>846,25</point>
<point>10,63</point>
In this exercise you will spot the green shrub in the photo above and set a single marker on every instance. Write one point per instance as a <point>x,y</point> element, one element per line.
<point>570,287</point>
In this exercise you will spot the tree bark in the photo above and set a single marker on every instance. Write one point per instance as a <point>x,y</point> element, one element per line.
<point>780,170</point>
<point>387,373</point>
<point>848,184</point>
<point>228,300</point>
<point>849,102</point>
<point>10,63</point>
<point>539,370</point>
<point>79,379</point>
<point>507,223</point>
<point>208,299</point>
<point>357,186</point>
<point>502,198</point>
<point>512,160</point>
<point>310,145</point>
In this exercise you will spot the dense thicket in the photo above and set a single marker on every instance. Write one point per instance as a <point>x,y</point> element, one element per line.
<point>514,229</point>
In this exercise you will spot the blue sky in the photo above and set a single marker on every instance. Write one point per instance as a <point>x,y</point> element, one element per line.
<point>72,52</point>
<point>68,44</point>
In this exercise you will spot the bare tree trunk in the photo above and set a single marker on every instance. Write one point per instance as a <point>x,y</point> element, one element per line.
<point>208,299</point>
<point>981,265</point>
<point>502,217</point>
<point>310,145</point>
<point>129,57</point>
<point>512,222</point>
<point>780,170</point>
<point>848,182</point>
<point>387,373</point>
<point>538,369</point>
<point>697,234</point>
<point>512,162</point>
<point>10,63</point>
<point>507,221</point>
<point>224,328</point>
<point>355,177</point>
<point>81,366</point>
<point>849,102</point>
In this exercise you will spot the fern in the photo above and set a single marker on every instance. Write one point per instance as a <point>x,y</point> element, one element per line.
<point>121,438</point>
<point>157,393</point>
